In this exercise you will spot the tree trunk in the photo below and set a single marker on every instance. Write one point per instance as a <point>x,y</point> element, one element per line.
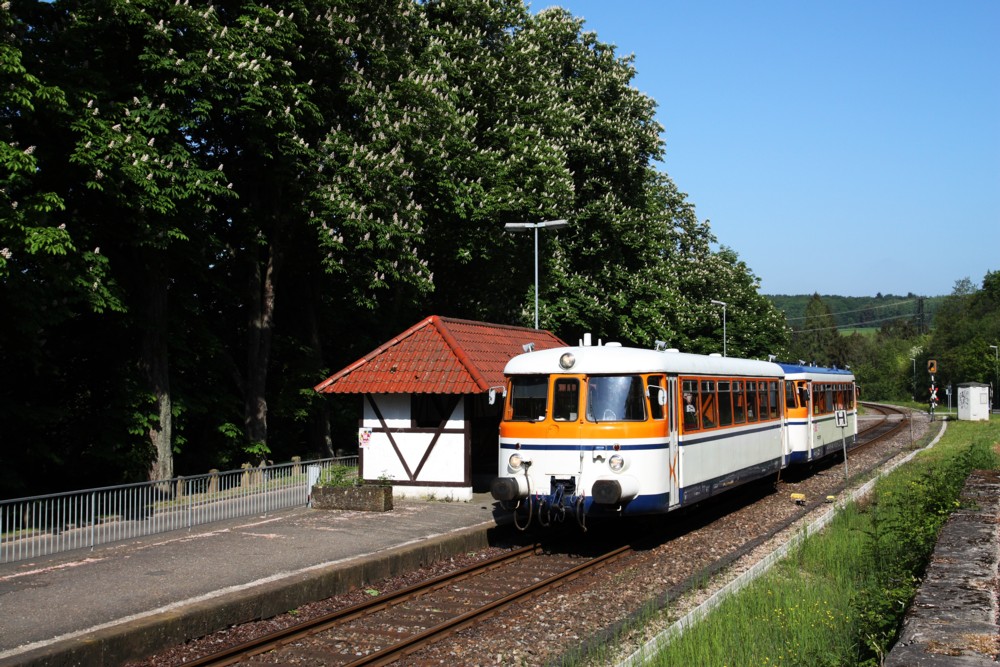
<point>320,436</point>
<point>260,332</point>
<point>156,367</point>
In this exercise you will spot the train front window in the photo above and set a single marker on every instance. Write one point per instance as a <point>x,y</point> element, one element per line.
<point>566,399</point>
<point>528,398</point>
<point>616,398</point>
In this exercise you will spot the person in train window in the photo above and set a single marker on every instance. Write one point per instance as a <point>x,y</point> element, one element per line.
<point>690,411</point>
<point>803,396</point>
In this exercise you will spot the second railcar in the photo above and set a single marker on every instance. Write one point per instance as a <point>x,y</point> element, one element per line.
<point>813,397</point>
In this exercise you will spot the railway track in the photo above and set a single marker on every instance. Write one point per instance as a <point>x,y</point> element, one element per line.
<point>414,621</point>
<point>892,421</point>
<point>382,630</point>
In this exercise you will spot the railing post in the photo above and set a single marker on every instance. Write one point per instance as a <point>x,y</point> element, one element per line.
<point>93,517</point>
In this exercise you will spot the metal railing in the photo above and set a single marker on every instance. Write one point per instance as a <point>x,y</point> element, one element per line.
<point>43,525</point>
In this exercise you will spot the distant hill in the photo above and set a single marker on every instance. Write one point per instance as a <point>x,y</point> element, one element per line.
<point>850,312</point>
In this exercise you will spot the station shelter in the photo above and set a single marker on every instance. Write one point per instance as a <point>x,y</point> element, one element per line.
<point>974,401</point>
<point>427,424</point>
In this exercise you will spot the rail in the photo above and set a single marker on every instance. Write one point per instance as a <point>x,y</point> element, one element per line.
<point>382,630</point>
<point>50,524</point>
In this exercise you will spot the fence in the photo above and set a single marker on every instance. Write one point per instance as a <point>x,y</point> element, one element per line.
<point>42,525</point>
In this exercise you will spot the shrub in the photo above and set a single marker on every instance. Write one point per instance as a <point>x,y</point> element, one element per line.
<point>339,476</point>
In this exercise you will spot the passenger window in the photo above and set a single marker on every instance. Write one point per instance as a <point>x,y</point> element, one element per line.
<point>528,398</point>
<point>690,405</point>
<point>762,400</point>
<point>725,404</point>
<point>751,401</point>
<point>566,399</point>
<point>772,388</point>
<point>709,410</point>
<point>739,404</point>
<point>819,399</point>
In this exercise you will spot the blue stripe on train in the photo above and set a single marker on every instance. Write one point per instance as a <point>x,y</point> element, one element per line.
<point>659,503</point>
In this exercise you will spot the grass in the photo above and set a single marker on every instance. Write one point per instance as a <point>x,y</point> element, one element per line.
<point>839,599</point>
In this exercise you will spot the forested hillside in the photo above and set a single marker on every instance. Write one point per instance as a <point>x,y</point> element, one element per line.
<point>887,341</point>
<point>850,312</point>
<point>208,207</point>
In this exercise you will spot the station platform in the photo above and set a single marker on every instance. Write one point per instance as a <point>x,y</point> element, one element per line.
<point>118,602</point>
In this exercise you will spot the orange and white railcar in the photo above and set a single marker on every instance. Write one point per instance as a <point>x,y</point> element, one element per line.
<point>607,430</point>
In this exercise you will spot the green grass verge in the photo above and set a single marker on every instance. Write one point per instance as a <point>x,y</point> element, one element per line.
<point>839,599</point>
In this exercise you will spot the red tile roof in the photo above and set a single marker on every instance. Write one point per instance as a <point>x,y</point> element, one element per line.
<point>438,355</point>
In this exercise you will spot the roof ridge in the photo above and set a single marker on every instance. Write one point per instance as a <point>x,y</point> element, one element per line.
<point>459,351</point>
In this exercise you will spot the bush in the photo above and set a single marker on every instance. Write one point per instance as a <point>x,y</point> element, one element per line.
<point>339,476</point>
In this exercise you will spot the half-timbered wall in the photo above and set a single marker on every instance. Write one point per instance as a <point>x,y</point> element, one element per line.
<point>421,460</point>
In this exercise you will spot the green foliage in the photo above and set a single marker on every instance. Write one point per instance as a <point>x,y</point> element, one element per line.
<point>840,597</point>
<point>209,205</point>
<point>965,328</point>
<point>339,476</point>
<point>912,312</point>
<point>903,521</point>
<point>892,364</point>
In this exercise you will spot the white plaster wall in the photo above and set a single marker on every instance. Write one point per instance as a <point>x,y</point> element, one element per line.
<point>452,493</point>
<point>446,462</point>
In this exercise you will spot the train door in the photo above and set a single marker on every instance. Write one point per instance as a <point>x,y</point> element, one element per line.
<point>566,427</point>
<point>806,391</point>
<point>674,458</point>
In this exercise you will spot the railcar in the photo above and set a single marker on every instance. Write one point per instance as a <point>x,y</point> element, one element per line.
<point>813,398</point>
<point>607,430</point>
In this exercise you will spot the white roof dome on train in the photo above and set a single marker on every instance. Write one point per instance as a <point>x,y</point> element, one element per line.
<point>611,359</point>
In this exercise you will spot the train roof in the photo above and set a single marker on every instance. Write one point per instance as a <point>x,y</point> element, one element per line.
<point>614,359</point>
<point>800,372</point>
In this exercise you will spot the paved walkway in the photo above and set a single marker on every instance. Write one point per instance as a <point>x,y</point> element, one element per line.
<point>55,609</point>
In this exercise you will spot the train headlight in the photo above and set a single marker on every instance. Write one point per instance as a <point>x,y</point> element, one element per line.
<point>515,461</point>
<point>616,462</point>
<point>566,361</point>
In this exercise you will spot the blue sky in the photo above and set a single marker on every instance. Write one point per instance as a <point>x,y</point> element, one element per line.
<point>840,147</point>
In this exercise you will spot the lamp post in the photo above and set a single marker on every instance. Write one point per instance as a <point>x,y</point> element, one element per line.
<point>522,226</point>
<point>913,383</point>
<point>996,372</point>
<point>723,304</point>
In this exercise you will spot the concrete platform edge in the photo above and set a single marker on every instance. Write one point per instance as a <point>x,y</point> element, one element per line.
<point>953,618</point>
<point>136,638</point>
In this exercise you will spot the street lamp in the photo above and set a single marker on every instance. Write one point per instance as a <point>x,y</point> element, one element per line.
<point>913,388</point>
<point>996,373</point>
<point>523,226</point>
<point>723,304</point>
